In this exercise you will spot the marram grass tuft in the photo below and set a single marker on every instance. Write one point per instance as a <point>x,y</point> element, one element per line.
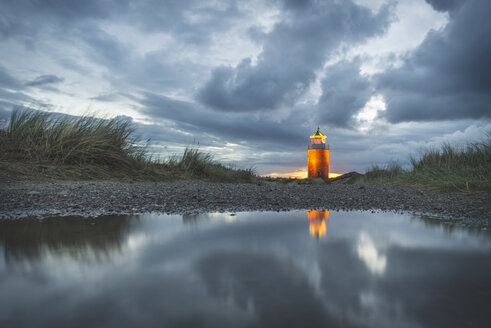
<point>450,168</point>
<point>37,136</point>
<point>35,143</point>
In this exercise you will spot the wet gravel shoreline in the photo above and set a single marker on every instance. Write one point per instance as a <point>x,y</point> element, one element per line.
<point>94,199</point>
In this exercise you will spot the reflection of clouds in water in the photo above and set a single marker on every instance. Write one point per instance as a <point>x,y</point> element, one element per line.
<point>262,269</point>
<point>136,241</point>
<point>367,252</point>
<point>314,275</point>
<point>377,311</point>
<point>275,290</point>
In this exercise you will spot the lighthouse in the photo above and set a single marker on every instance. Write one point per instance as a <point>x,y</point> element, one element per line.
<point>318,156</point>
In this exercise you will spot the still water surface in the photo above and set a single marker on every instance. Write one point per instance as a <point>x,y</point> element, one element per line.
<point>293,269</point>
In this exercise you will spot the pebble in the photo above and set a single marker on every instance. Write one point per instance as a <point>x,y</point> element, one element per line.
<point>92,199</point>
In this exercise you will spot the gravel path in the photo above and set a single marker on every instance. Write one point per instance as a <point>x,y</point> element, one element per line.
<point>115,198</point>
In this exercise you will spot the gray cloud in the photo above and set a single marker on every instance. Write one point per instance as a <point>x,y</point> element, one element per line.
<point>264,103</point>
<point>193,20</point>
<point>445,5</point>
<point>233,127</point>
<point>25,19</point>
<point>8,81</point>
<point>344,93</point>
<point>449,75</point>
<point>296,47</point>
<point>44,79</point>
<point>109,97</point>
<point>12,91</point>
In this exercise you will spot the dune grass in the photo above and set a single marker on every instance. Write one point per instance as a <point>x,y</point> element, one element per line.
<point>41,144</point>
<point>450,168</point>
<point>37,136</point>
<point>197,164</point>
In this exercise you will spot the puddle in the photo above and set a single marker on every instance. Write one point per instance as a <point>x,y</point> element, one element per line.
<point>251,269</point>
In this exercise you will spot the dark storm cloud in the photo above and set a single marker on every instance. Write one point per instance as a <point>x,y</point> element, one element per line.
<point>296,47</point>
<point>159,71</point>
<point>107,97</point>
<point>449,75</point>
<point>344,93</point>
<point>44,79</point>
<point>103,48</point>
<point>84,24</point>
<point>188,23</point>
<point>11,92</point>
<point>445,5</point>
<point>236,127</point>
<point>8,81</point>
<point>193,20</point>
<point>174,48</point>
<point>25,19</point>
<point>10,99</point>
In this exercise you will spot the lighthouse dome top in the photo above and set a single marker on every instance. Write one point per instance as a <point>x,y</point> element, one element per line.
<point>318,134</point>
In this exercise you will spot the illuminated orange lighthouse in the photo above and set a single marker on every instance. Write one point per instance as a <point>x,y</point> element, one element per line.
<point>318,156</point>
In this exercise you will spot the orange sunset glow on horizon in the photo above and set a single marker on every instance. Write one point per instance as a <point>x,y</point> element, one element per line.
<point>300,173</point>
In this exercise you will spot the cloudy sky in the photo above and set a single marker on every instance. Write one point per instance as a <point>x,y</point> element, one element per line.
<point>251,80</point>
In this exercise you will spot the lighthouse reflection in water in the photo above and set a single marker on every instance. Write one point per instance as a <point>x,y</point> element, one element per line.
<point>317,222</point>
